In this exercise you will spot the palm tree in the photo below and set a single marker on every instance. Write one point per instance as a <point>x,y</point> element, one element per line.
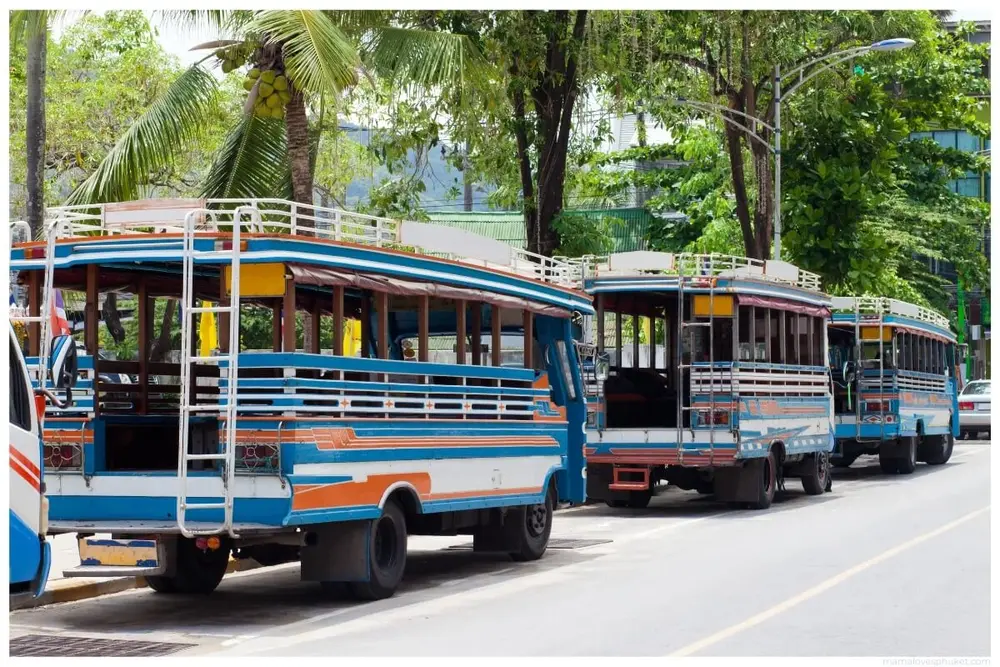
<point>270,150</point>
<point>32,26</point>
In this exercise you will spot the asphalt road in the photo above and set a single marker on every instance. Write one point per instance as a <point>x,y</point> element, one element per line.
<point>883,566</point>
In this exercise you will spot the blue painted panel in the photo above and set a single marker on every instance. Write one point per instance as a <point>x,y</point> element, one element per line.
<point>269,511</point>
<point>26,552</point>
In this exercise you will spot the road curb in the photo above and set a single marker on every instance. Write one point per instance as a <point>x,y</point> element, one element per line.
<point>74,590</point>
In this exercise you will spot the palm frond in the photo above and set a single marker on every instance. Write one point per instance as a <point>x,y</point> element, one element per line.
<point>252,162</point>
<point>353,20</point>
<point>219,21</point>
<point>25,23</point>
<point>422,57</point>
<point>153,140</point>
<point>318,55</point>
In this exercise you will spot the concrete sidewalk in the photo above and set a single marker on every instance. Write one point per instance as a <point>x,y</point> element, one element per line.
<point>60,588</point>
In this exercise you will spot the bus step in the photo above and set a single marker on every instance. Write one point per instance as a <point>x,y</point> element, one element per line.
<point>630,479</point>
<point>204,506</point>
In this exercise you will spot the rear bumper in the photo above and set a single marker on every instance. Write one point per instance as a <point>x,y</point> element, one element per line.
<point>978,420</point>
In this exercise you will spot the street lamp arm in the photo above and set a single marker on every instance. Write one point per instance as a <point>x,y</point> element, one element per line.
<point>795,86</point>
<point>722,108</point>
<point>801,68</point>
<point>736,124</point>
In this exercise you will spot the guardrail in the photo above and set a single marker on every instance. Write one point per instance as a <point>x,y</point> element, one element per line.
<point>280,216</point>
<point>650,263</point>
<point>881,306</point>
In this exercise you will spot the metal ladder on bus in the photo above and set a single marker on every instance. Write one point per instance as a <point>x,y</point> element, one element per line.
<point>228,361</point>
<point>682,329</point>
<point>859,347</point>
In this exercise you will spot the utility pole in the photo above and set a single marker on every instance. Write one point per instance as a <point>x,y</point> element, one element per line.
<point>467,179</point>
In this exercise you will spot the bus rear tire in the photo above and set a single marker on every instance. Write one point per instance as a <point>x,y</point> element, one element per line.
<point>764,471</point>
<point>196,571</point>
<point>386,555</point>
<point>938,448</point>
<point>534,522</point>
<point>899,458</point>
<point>816,474</point>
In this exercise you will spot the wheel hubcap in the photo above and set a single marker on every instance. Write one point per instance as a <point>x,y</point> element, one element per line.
<point>537,518</point>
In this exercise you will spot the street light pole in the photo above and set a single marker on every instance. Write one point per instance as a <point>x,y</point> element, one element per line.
<point>838,57</point>
<point>895,44</point>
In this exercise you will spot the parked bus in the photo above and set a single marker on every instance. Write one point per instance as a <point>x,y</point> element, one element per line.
<point>300,451</point>
<point>895,372</point>
<point>729,393</point>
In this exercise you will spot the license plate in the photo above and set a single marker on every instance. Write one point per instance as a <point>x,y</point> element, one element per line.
<point>120,552</point>
<point>983,407</point>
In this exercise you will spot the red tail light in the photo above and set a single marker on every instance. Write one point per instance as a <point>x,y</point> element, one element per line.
<point>716,418</point>
<point>876,406</point>
<point>966,406</point>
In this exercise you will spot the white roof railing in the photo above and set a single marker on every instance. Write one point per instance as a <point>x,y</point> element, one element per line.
<point>643,263</point>
<point>279,216</point>
<point>880,306</point>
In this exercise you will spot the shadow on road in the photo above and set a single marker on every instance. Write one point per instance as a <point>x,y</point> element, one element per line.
<point>257,601</point>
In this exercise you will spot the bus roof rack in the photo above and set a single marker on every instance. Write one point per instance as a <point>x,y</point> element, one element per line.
<point>868,305</point>
<point>651,263</point>
<point>280,216</point>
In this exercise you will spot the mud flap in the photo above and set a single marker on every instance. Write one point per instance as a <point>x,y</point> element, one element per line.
<point>337,552</point>
<point>738,484</point>
<point>502,534</point>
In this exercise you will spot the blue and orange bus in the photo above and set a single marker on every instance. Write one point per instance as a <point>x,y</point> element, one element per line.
<point>300,451</point>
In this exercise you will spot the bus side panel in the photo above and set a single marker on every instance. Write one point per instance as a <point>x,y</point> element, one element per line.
<point>925,412</point>
<point>801,424</point>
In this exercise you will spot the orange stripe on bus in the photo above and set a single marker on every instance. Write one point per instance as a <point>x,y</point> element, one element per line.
<point>25,475</point>
<point>346,494</point>
<point>26,462</point>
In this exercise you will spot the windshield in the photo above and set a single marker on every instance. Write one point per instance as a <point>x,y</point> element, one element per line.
<point>976,389</point>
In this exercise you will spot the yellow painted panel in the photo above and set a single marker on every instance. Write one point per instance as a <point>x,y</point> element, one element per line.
<point>871,333</point>
<point>258,279</point>
<point>722,305</point>
<point>125,552</point>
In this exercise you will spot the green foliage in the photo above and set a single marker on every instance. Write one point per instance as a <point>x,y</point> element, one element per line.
<point>103,73</point>
<point>865,206</point>
<point>584,234</point>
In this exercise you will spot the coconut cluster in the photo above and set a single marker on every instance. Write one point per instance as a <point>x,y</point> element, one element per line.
<point>273,88</point>
<point>274,91</point>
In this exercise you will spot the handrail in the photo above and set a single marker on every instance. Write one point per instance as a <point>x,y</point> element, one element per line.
<point>646,264</point>
<point>280,216</point>
<point>881,306</point>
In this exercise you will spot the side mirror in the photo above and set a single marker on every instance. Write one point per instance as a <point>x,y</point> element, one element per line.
<point>63,362</point>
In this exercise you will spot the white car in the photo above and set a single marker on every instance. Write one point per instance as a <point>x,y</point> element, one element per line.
<point>974,408</point>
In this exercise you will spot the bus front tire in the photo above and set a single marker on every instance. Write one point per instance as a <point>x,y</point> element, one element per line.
<point>196,571</point>
<point>386,555</point>
<point>816,473</point>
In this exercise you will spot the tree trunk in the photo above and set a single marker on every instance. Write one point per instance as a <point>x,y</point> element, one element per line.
<point>466,180</point>
<point>297,136</point>
<point>161,346</point>
<point>553,95</point>
<point>35,130</point>
<point>736,166</point>
<point>109,313</point>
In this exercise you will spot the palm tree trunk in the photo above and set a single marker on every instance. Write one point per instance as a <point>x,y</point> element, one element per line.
<point>35,131</point>
<point>297,136</point>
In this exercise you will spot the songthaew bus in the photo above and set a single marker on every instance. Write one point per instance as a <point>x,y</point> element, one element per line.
<point>729,393</point>
<point>300,451</point>
<point>895,372</point>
